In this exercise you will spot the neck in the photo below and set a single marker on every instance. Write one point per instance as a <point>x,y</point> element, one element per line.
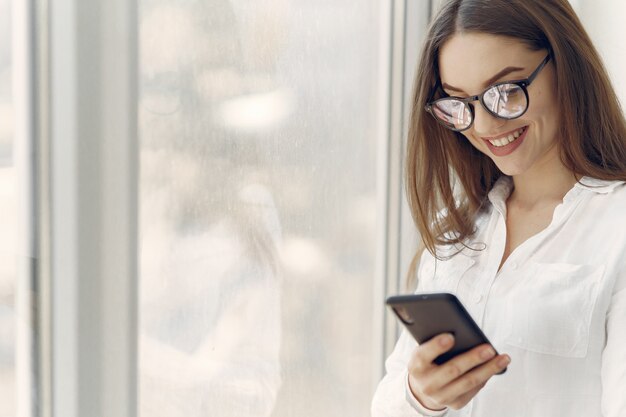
<point>545,184</point>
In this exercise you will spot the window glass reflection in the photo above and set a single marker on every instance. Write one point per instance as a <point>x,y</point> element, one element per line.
<point>257,217</point>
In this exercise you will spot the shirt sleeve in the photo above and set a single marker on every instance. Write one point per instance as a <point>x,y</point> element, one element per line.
<point>393,397</point>
<point>614,355</point>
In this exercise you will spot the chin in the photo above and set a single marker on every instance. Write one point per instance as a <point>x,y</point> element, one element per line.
<point>509,170</point>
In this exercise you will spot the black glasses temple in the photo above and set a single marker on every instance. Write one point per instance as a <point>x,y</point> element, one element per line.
<point>539,68</point>
<point>433,92</point>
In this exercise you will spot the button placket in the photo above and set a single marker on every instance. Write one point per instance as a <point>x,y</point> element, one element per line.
<point>488,274</point>
<point>477,298</point>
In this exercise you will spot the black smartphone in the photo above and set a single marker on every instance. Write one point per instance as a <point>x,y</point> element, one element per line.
<point>427,315</point>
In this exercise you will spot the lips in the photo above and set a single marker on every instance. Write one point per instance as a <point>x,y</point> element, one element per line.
<point>503,145</point>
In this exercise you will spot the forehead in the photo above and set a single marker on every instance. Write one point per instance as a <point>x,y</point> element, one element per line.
<point>467,60</point>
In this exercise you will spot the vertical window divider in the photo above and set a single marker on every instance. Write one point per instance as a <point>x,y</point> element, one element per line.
<point>23,160</point>
<point>394,166</point>
<point>41,208</point>
<point>407,23</point>
<point>89,193</point>
<point>382,185</point>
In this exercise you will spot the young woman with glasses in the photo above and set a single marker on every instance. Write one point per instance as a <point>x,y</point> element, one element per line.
<point>516,180</point>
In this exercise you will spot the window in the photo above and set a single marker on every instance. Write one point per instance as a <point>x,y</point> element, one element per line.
<point>258,126</point>
<point>8,222</point>
<point>17,321</point>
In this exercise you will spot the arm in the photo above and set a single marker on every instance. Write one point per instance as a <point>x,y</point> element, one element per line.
<point>393,397</point>
<point>412,374</point>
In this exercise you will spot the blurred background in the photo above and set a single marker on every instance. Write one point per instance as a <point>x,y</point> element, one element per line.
<point>258,134</point>
<point>259,129</point>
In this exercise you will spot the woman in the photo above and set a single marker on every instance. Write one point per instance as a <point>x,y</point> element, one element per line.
<point>516,170</point>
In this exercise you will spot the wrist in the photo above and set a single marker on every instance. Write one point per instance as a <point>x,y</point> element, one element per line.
<point>423,407</point>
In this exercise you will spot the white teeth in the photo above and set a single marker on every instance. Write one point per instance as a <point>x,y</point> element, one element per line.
<point>507,139</point>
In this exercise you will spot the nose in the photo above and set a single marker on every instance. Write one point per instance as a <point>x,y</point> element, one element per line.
<point>485,122</point>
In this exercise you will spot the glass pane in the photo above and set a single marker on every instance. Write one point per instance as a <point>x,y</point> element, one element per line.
<point>258,195</point>
<point>8,222</point>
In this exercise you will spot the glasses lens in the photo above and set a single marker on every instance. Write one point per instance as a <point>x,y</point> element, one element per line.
<point>506,100</point>
<point>453,113</point>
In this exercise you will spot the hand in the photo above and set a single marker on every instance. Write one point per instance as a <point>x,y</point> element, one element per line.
<point>454,383</point>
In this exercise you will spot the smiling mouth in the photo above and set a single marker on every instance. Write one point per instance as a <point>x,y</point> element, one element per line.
<point>505,140</point>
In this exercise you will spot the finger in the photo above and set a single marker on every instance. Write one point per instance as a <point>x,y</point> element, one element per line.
<point>473,379</point>
<point>459,365</point>
<point>441,377</point>
<point>428,351</point>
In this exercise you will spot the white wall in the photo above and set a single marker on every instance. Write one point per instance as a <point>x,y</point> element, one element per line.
<point>605,22</point>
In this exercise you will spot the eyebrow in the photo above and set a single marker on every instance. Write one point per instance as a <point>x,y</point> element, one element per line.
<point>505,71</point>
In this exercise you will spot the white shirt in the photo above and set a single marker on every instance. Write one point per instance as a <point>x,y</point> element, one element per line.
<point>557,307</point>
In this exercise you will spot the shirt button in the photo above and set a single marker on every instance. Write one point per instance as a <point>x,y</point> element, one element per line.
<point>513,265</point>
<point>477,298</point>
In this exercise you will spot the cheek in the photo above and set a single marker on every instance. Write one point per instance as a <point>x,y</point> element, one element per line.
<point>543,102</point>
<point>539,103</point>
<point>543,111</point>
<point>477,143</point>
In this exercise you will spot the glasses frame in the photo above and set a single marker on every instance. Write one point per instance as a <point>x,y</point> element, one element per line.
<point>522,83</point>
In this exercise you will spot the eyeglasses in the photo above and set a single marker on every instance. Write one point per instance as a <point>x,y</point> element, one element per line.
<point>505,100</point>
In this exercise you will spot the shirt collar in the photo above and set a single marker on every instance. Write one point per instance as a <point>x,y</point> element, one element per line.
<point>500,192</point>
<point>504,185</point>
<point>597,186</point>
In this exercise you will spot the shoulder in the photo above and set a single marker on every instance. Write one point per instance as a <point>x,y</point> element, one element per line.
<point>599,214</point>
<point>609,196</point>
<point>602,187</point>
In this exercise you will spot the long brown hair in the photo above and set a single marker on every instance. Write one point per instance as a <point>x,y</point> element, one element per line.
<point>447,179</point>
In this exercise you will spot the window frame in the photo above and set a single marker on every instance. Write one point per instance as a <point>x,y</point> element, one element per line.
<point>85,197</point>
<point>407,25</point>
